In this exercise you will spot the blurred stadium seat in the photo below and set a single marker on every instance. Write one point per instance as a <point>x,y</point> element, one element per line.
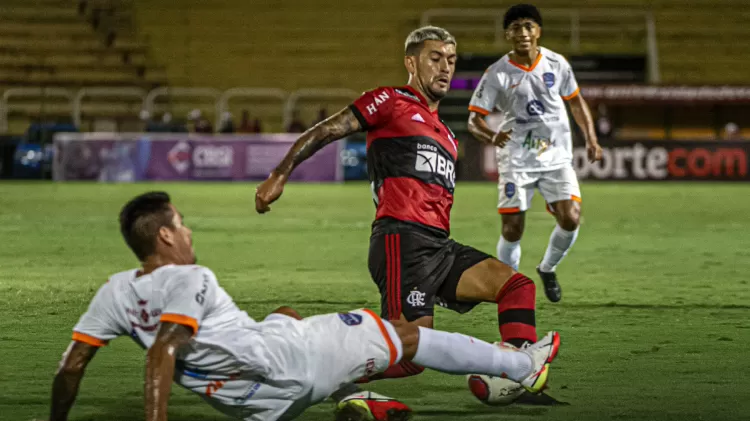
<point>70,44</point>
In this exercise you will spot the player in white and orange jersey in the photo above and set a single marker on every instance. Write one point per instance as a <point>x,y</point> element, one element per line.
<point>271,370</point>
<point>530,86</point>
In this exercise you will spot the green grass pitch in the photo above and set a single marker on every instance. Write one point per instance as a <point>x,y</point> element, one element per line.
<point>654,318</point>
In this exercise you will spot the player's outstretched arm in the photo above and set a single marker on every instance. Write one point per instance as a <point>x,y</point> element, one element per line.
<point>482,132</point>
<point>329,130</point>
<point>582,116</point>
<point>160,362</point>
<point>68,378</point>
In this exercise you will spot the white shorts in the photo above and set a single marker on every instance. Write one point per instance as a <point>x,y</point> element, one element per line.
<point>516,188</point>
<point>312,358</point>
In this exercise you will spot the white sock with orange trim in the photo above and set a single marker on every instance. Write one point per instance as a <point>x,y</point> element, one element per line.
<point>559,243</point>
<point>509,252</point>
<point>455,353</point>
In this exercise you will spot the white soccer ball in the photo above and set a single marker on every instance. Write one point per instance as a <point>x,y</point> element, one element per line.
<point>495,391</point>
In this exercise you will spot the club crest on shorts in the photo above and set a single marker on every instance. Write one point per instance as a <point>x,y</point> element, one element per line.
<point>350,319</point>
<point>549,79</point>
<point>510,190</point>
<point>416,298</point>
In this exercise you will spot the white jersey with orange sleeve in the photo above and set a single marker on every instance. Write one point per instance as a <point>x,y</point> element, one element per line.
<point>531,100</point>
<point>250,370</point>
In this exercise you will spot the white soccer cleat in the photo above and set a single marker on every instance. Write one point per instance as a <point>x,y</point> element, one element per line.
<point>542,353</point>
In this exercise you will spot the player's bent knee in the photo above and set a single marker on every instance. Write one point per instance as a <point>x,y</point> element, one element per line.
<point>569,221</point>
<point>512,232</point>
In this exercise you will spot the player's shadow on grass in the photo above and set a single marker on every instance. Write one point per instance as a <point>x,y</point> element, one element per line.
<point>181,408</point>
<point>659,306</point>
<point>485,410</point>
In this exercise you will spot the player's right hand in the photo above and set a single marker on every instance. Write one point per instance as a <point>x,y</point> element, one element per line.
<point>501,138</point>
<point>269,191</point>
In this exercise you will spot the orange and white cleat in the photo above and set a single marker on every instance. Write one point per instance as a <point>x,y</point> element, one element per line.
<point>370,406</point>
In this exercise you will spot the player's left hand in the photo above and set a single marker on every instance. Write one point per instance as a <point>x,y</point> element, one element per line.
<point>594,151</point>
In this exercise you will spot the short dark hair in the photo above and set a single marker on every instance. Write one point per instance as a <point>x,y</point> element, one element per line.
<point>416,39</point>
<point>522,11</point>
<point>140,221</point>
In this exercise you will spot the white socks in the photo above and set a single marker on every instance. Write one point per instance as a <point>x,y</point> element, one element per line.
<point>455,353</point>
<point>559,243</point>
<point>509,252</point>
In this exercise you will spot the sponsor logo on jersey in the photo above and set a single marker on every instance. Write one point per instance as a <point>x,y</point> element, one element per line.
<point>370,367</point>
<point>350,319</point>
<point>416,298</point>
<point>537,142</point>
<point>418,117</point>
<point>549,79</point>
<point>510,190</point>
<point>480,91</point>
<point>428,160</point>
<point>200,297</point>
<point>380,98</point>
<point>253,390</point>
<point>535,107</point>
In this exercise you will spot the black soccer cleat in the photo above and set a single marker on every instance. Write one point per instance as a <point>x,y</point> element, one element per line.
<point>551,287</point>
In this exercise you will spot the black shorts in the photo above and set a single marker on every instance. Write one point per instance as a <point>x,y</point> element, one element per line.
<point>416,267</point>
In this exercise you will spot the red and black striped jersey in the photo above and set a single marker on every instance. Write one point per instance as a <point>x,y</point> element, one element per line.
<point>411,156</point>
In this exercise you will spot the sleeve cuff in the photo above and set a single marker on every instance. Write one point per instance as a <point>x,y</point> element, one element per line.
<point>88,339</point>
<point>359,116</point>
<point>180,320</point>
<point>573,95</point>
<point>478,110</point>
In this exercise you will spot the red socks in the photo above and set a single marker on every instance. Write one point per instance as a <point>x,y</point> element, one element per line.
<point>515,310</point>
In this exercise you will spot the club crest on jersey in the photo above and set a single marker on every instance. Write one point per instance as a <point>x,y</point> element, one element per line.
<point>535,107</point>
<point>549,79</point>
<point>510,190</point>
<point>350,319</point>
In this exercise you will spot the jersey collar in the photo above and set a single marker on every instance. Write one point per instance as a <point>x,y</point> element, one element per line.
<point>421,98</point>
<point>526,68</point>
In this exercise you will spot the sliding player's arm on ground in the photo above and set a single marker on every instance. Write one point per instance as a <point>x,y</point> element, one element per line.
<point>94,329</point>
<point>68,378</point>
<point>186,301</point>
<point>369,110</point>
<point>483,101</point>
<point>160,362</point>
<point>581,113</point>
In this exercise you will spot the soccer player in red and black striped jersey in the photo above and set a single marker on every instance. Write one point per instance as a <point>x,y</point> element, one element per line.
<point>411,158</point>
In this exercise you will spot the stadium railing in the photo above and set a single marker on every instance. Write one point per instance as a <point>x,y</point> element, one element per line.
<point>150,100</point>
<point>578,20</point>
<point>291,103</point>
